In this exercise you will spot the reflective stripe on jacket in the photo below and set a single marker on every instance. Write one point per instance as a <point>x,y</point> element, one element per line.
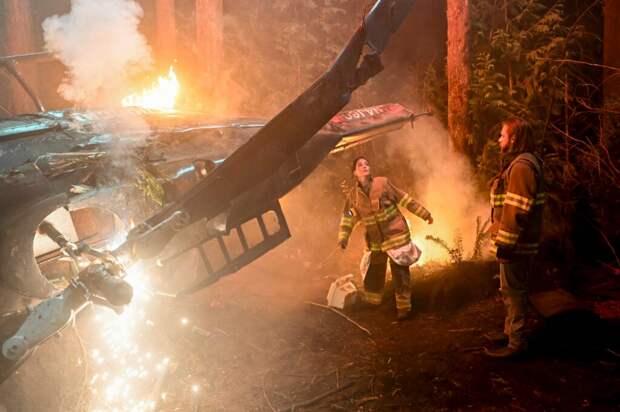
<point>386,228</point>
<point>517,200</point>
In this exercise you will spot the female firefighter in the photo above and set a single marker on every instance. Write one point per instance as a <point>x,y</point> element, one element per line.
<point>374,201</point>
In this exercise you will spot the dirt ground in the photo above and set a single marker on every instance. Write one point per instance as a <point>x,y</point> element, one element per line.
<point>280,352</point>
<point>254,342</point>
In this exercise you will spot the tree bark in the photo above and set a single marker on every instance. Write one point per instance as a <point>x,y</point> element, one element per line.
<point>209,39</point>
<point>611,54</point>
<point>19,40</point>
<point>611,58</point>
<point>458,72</point>
<point>165,21</point>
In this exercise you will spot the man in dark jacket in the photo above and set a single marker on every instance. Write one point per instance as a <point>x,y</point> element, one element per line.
<point>517,200</point>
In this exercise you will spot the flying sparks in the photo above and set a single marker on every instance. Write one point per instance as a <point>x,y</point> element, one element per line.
<point>127,362</point>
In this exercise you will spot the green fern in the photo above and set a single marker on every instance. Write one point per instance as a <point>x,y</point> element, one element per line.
<point>482,234</point>
<point>455,252</point>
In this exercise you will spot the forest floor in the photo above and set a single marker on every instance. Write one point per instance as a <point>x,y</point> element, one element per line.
<point>280,352</point>
<point>255,342</point>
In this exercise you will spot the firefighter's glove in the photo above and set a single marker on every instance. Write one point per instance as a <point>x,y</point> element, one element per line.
<point>504,252</point>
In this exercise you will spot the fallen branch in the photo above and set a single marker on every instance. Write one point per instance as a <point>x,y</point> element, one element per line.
<point>367,399</point>
<point>243,341</point>
<point>602,66</point>
<point>316,398</point>
<point>265,394</point>
<point>616,354</point>
<point>608,244</point>
<point>398,405</point>
<point>472,349</point>
<point>613,270</point>
<point>341,314</point>
<point>464,330</point>
<point>82,404</point>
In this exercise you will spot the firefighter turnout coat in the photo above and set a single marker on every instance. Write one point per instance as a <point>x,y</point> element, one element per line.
<point>517,200</point>
<point>386,227</point>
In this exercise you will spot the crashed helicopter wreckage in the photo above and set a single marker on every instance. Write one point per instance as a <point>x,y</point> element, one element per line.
<point>211,179</point>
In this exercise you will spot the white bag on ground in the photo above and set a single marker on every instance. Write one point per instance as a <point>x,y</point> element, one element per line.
<point>342,292</point>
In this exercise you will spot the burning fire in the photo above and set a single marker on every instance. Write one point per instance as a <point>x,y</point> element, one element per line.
<point>431,252</point>
<point>162,95</point>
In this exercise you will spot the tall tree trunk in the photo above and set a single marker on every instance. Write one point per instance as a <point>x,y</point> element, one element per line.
<point>209,39</point>
<point>611,58</point>
<point>165,20</point>
<point>458,72</point>
<point>19,40</point>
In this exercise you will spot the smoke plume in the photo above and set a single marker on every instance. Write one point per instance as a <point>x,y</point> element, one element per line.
<point>101,46</point>
<point>443,182</point>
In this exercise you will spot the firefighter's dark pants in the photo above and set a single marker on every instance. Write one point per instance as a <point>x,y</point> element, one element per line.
<point>513,285</point>
<point>374,282</point>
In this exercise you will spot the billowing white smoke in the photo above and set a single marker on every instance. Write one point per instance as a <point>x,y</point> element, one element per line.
<point>444,184</point>
<point>101,46</point>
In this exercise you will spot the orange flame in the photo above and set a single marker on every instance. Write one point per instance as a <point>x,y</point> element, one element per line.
<point>162,95</point>
<point>431,253</point>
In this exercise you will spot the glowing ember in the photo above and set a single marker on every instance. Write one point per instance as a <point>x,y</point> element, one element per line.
<point>162,95</point>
